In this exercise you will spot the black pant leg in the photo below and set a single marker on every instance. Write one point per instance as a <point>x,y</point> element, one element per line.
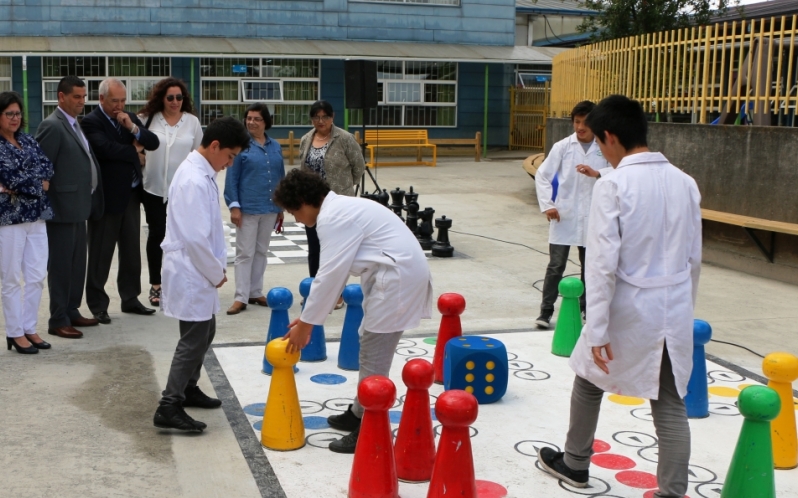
<point>195,337</point>
<point>155,213</point>
<point>128,278</point>
<point>558,258</point>
<point>103,235</point>
<point>314,250</point>
<point>583,297</point>
<point>62,246</point>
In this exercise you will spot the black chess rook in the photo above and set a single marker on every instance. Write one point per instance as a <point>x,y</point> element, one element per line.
<point>425,230</point>
<point>442,248</point>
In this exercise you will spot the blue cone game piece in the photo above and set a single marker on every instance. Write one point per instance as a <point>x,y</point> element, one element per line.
<point>697,399</point>
<point>280,300</point>
<point>349,353</point>
<point>316,350</point>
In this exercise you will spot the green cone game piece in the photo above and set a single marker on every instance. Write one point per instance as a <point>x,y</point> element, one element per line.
<point>569,321</point>
<point>751,470</point>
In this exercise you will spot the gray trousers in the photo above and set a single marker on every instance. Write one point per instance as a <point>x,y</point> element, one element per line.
<point>195,339</point>
<point>252,245</point>
<point>376,356</point>
<point>558,259</point>
<point>670,422</point>
<point>66,271</point>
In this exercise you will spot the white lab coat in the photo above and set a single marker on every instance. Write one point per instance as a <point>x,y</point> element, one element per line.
<point>642,268</point>
<point>360,237</point>
<point>194,253</point>
<point>574,191</point>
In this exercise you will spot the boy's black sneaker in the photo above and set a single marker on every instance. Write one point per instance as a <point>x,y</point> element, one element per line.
<point>346,444</point>
<point>174,417</point>
<point>346,421</point>
<point>544,319</point>
<point>552,462</point>
<point>198,399</point>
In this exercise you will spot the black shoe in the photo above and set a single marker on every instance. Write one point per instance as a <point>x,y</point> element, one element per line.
<point>346,421</point>
<point>29,350</point>
<point>544,319</point>
<point>103,317</point>
<point>346,444</point>
<point>39,345</point>
<point>197,398</point>
<point>551,461</point>
<point>174,417</point>
<point>138,309</point>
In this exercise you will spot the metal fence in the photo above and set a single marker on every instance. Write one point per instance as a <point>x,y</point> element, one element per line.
<point>529,108</point>
<point>743,71</point>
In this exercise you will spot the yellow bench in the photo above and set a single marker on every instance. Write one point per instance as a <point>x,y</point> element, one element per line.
<point>411,139</point>
<point>749,224</point>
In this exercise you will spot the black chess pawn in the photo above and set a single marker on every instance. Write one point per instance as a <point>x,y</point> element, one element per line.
<point>412,216</point>
<point>383,197</point>
<point>441,248</point>
<point>425,230</point>
<point>411,196</point>
<point>397,200</point>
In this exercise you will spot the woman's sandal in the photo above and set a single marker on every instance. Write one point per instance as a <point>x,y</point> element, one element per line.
<point>155,296</point>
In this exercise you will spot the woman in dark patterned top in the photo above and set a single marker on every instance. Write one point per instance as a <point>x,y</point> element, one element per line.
<point>334,154</point>
<point>25,174</point>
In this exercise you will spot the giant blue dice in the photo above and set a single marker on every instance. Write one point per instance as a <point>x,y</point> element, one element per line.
<point>477,365</point>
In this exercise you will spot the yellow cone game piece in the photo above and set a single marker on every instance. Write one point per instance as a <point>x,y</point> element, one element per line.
<point>283,427</point>
<point>782,370</point>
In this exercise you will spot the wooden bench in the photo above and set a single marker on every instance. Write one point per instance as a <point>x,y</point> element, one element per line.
<point>749,224</point>
<point>405,139</point>
<point>476,142</point>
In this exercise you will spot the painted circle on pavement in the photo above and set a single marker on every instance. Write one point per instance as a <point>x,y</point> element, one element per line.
<point>613,462</point>
<point>309,407</point>
<point>395,416</point>
<point>412,351</point>
<point>488,489</point>
<point>431,341</point>
<point>726,392</point>
<point>258,425</point>
<point>255,409</point>
<point>519,365</point>
<point>531,375</point>
<point>595,486</point>
<point>315,422</point>
<point>328,379</point>
<point>530,447</point>
<point>709,489</point>
<point>725,376</point>
<point>634,439</point>
<point>322,439</point>
<point>637,479</point>
<point>650,494</point>
<point>725,409</point>
<point>600,446</point>
<point>338,404</point>
<point>643,413</point>
<point>625,400</point>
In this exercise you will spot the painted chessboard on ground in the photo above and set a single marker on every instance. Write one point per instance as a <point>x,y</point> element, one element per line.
<point>506,434</point>
<point>290,247</point>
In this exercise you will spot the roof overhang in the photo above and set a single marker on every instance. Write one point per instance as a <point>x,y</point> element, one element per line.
<point>260,47</point>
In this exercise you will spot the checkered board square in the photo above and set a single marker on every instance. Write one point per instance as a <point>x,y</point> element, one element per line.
<point>289,247</point>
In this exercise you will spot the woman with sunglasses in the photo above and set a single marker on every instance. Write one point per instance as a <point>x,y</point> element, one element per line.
<point>335,155</point>
<point>25,174</point>
<point>168,114</point>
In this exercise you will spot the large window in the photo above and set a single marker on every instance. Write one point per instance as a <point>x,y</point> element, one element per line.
<point>288,86</point>
<point>139,74</point>
<point>413,93</point>
<point>5,74</point>
<point>429,2</point>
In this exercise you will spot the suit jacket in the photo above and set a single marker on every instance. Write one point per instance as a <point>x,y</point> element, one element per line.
<point>70,188</point>
<point>117,155</point>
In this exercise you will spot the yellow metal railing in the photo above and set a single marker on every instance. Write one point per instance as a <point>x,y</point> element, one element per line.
<point>529,108</point>
<point>705,71</point>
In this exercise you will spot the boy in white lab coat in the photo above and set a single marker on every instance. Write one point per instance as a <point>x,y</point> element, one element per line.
<point>362,238</point>
<point>576,162</point>
<point>643,263</point>
<point>194,262</point>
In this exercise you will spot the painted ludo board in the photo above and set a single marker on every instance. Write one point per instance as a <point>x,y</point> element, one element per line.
<point>506,435</point>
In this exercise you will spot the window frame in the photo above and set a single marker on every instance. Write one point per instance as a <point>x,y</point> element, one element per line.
<point>243,93</point>
<point>431,3</point>
<point>10,77</point>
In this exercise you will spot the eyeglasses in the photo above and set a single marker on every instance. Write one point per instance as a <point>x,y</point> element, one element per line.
<point>171,98</point>
<point>12,114</point>
<point>324,119</point>
<point>255,119</point>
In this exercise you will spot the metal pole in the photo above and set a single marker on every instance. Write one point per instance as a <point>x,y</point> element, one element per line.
<point>25,89</point>
<point>191,83</point>
<point>485,118</point>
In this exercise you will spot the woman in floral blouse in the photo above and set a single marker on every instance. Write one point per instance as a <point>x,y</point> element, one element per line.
<point>25,174</point>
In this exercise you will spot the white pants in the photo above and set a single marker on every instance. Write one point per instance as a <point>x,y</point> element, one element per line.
<point>23,256</point>
<point>252,244</point>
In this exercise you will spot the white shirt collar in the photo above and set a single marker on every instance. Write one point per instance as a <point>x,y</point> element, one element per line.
<point>205,167</point>
<point>71,120</point>
<point>642,158</point>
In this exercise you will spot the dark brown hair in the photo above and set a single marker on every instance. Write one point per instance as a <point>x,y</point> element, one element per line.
<point>158,92</point>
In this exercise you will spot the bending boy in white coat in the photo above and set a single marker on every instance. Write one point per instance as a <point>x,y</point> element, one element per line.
<point>358,237</point>
<point>643,263</point>
<point>577,162</point>
<point>194,262</point>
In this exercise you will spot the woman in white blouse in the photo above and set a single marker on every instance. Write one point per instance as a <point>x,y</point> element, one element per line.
<point>168,114</point>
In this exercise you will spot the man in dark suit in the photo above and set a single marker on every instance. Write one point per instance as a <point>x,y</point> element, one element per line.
<point>76,195</point>
<point>116,137</point>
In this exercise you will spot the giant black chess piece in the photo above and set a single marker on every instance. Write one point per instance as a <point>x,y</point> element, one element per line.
<point>412,216</point>
<point>397,201</point>
<point>425,230</point>
<point>383,197</point>
<point>441,248</point>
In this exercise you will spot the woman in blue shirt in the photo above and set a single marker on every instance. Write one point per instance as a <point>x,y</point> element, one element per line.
<point>248,190</point>
<point>25,174</point>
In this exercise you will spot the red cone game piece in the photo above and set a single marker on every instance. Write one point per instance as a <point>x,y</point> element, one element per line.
<point>451,306</point>
<point>415,443</point>
<point>453,474</point>
<point>373,469</point>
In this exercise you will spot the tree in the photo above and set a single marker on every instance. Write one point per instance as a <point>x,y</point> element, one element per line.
<point>621,18</point>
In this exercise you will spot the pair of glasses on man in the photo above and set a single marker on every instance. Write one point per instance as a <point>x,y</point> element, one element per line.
<point>171,98</point>
<point>324,119</point>
<point>12,114</point>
